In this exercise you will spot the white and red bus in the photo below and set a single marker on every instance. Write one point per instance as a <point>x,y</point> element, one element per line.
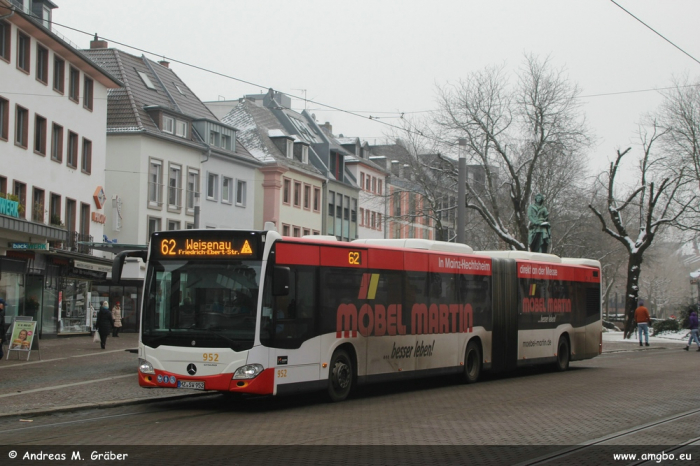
<point>253,312</point>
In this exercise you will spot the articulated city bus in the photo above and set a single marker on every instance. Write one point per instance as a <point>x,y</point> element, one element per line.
<point>253,312</point>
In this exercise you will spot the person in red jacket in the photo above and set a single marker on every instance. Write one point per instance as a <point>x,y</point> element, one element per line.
<point>641,316</point>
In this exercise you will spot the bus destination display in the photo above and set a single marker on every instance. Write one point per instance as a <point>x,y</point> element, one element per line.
<point>206,248</point>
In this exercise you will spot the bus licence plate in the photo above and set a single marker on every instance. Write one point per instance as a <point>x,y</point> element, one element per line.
<point>189,384</point>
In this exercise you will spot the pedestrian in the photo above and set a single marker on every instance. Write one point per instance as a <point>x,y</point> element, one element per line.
<point>693,320</point>
<point>641,316</point>
<point>2,325</point>
<point>117,318</point>
<point>104,323</point>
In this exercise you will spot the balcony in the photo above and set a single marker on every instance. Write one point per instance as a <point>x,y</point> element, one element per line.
<point>74,240</point>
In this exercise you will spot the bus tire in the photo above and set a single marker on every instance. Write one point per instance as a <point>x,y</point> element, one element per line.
<point>472,362</point>
<point>563,354</point>
<point>340,376</point>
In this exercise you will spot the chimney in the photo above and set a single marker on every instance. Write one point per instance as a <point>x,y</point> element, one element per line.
<point>164,63</point>
<point>327,128</point>
<point>98,44</point>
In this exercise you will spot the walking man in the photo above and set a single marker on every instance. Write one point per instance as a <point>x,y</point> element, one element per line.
<point>693,320</point>
<point>641,316</point>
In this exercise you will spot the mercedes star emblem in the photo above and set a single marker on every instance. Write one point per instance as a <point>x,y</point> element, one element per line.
<point>191,369</point>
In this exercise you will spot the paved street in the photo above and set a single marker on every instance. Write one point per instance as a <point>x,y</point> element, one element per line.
<point>539,411</point>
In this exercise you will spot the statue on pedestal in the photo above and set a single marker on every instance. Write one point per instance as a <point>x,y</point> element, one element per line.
<point>539,236</point>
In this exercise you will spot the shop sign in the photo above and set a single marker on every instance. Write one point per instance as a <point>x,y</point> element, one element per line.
<point>100,197</point>
<point>98,218</point>
<point>8,207</point>
<point>30,246</point>
<point>90,266</point>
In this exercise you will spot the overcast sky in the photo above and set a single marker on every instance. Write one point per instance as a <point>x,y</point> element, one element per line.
<point>376,57</point>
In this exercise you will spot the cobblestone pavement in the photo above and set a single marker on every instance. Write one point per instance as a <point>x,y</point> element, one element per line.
<point>74,373</point>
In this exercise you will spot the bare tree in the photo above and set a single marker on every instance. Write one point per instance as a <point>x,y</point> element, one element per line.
<point>527,138</point>
<point>659,201</point>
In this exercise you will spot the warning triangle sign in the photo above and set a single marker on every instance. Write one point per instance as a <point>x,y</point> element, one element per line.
<point>246,248</point>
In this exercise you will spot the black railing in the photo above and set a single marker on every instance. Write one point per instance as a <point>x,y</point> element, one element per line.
<point>74,240</point>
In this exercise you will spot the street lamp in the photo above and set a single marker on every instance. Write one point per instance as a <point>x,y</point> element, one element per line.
<point>196,210</point>
<point>461,190</point>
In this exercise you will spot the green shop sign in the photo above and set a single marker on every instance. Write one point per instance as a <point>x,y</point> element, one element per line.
<point>8,207</point>
<point>30,246</point>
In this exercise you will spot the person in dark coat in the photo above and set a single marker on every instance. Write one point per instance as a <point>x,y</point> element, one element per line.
<point>2,325</point>
<point>104,323</point>
<point>693,321</point>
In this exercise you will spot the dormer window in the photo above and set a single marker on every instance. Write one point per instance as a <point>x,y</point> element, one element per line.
<point>213,138</point>
<point>305,154</point>
<point>290,149</point>
<point>168,125</point>
<point>225,142</point>
<point>181,129</point>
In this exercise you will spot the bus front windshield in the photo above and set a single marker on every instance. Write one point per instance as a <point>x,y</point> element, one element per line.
<point>201,304</point>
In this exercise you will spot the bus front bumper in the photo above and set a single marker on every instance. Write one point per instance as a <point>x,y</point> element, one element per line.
<point>263,384</point>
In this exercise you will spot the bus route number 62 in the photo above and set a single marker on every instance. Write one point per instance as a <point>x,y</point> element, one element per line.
<point>354,258</point>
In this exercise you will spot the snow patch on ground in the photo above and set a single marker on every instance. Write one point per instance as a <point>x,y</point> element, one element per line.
<point>616,335</point>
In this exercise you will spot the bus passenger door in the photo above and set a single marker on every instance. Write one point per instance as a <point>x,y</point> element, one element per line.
<point>504,349</point>
<point>290,330</point>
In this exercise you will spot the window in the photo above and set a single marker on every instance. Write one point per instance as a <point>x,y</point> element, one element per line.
<point>70,214</point>
<point>168,125</point>
<point>181,129</point>
<point>59,74</point>
<point>397,204</point>
<point>379,221</point>
<point>192,189</point>
<point>285,230</point>
<point>38,212</point>
<point>5,36</point>
<point>379,185</point>
<point>286,188</point>
<point>240,192</point>
<point>297,194</point>
<point>173,225</point>
<point>305,154</point>
<point>73,84</point>
<point>88,88</point>
<point>153,225</point>
<point>40,134</point>
<point>4,118</point>
<point>362,180</point>
<point>368,182</point>
<point>353,211</point>
<point>367,224</point>
<point>42,64</point>
<point>21,126</point>
<point>55,209</point>
<point>213,138</point>
<point>174,186</point>
<point>226,190</point>
<point>72,160</point>
<point>3,185</point>
<point>155,184</point>
<point>317,199</point>
<point>189,226</point>
<point>374,184</point>
<point>212,186</point>
<point>86,165</point>
<point>297,232</point>
<point>307,232</point>
<point>362,216</point>
<point>225,142</point>
<point>85,220</point>
<point>57,143</point>
<point>23,52</point>
<point>146,80</point>
<point>20,190</point>
<point>290,149</point>
<point>373,220</point>
<point>307,197</point>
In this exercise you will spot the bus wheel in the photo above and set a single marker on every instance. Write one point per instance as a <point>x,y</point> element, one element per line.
<point>340,377</point>
<point>563,354</point>
<point>472,363</point>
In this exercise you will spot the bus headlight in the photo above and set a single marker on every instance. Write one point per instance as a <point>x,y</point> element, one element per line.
<point>145,367</point>
<point>249,371</point>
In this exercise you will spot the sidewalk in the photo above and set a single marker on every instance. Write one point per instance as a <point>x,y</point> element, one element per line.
<point>74,373</point>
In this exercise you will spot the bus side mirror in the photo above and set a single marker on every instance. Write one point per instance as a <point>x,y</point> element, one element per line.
<point>118,262</point>
<point>280,281</point>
